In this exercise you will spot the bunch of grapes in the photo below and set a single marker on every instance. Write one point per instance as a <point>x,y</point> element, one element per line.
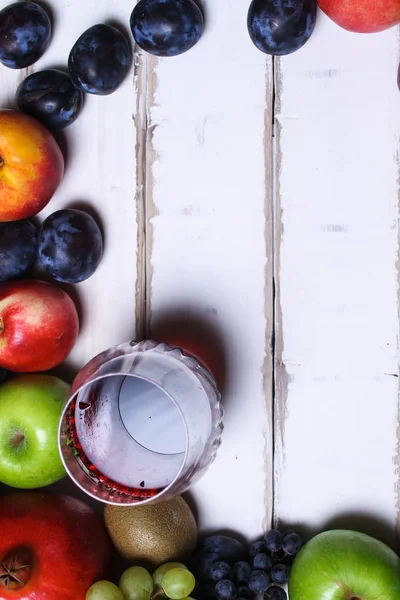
<point>172,580</point>
<point>264,571</point>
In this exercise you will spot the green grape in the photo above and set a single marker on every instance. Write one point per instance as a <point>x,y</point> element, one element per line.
<point>104,590</point>
<point>178,583</point>
<point>136,583</point>
<point>158,573</point>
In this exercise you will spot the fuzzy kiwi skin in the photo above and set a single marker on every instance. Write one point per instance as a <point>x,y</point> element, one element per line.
<point>152,534</point>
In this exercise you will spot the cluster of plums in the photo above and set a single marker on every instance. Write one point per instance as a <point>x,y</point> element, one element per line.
<point>97,64</point>
<point>170,27</point>
<point>68,246</point>
<point>101,57</point>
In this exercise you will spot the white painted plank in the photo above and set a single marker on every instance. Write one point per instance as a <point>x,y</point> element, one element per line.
<point>100,174</point>
<point>338,117</point>
<point>209,269</point>
<point>9,81</point>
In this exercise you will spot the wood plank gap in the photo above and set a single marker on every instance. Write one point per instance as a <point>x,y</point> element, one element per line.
<point>140,83</point>
<point>269,368</point>
<point>280,390</point>
<point>273,333</point>
<point>150,208</point>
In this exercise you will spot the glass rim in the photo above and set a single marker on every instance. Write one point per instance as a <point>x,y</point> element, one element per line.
<point>60,436</point>
<point>197,369</point>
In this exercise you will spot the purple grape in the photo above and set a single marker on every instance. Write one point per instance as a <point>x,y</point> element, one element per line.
<point>280,574</point>
<point>275,593</point>
<point>225,590</point>
<point>242,571</point>
<point>258,581</point>
<point>212,549</point>
<point>221,570</point>
<point>262,561</point>
<point>244,592</point>
<point>273,540</point>
<point>257,548</point>
<point>292,543</point>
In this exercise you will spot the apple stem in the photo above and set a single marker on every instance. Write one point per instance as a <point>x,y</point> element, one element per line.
<point>1,320</point>
<point>1,161</point>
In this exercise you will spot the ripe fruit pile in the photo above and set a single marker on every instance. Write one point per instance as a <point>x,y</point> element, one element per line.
<point>228,570</point>
<point>38,321</point>
<point>97,64</point>
<point>171,580</point>
<point>68,245</point>
<point>51,546</point>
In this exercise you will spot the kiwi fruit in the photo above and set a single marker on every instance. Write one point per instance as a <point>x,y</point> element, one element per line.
<point>152,534</point>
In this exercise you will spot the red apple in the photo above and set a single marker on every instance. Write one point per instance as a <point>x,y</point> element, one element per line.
<point>31,166</point>
<point>52,547</point>
<point>362,16</point>
<point>38,325</point>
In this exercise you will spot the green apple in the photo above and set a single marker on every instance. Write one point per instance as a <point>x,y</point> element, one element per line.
<point>345,565</point>
<point>30,410</point>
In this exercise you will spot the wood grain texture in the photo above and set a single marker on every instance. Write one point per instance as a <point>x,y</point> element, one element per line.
<point>9,81</point>
<point>101,177</point>
<point>338,126</point>
<point>209,262</point>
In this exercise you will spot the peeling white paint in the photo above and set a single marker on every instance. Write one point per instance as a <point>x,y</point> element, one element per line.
<point>208,249</point>
<point>338,190</point>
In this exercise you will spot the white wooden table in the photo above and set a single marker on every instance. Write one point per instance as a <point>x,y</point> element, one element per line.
<point>253,204</point>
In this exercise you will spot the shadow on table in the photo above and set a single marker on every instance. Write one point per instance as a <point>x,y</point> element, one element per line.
<point>202,6</point>
<point>364,523</point>
<point>368,524</point>
<point>195,334</point>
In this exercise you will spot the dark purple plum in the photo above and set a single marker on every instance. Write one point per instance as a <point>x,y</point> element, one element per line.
<point>100,60</point>
<point>280,27</point>
<point>51,97</point>
<point>18,248</point>
<point>166,27</point>
<point>70,245</point>
<point>25,34</point>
